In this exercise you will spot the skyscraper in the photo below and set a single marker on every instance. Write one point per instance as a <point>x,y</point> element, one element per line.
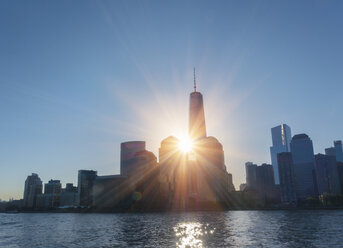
<point>52,190</point>
<point>128,152</point>
<point>197,126</point>
<point>281,138</point>
<point>250,174</point>
<point>287,182</point>
<point>86,180</point>
<point>338,150</point>
<point>303,161</point>
<point>327,174</point>
<point>33,187</point>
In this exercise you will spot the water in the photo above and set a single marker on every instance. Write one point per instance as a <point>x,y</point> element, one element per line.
<point>198,229</point>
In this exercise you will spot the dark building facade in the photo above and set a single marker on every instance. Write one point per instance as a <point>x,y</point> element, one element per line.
<point>281,138</point>
<point>69,196</point>
<point>197,125</point>
<point>286,176</point>
<point>303,161</point>
<point>86,180</point>
<point>128,156</point>
<point>33,187</point>
<point>327,175</point>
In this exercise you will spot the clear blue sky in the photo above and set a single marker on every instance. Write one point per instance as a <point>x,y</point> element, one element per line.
<point>78,77</point>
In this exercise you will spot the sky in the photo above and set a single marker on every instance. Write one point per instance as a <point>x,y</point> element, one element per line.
<point>77,78</point>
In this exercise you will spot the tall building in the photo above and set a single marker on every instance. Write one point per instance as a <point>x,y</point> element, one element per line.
<point>340,174</point>
<point>86,180</point>
<point>265,181</point>
<point>173,174</point>
<point>327,174</point>
<point>281,138</point>
<point>197,126</point>
<point>128,152</point>
<point>287,180</point>
<point>303,161</point>
<point>213,180</point>
<point>200,176</point>
<point>250,174</point>
<point>108,191</point>
<point>69,196</point>
<point>52,191</point>
<point>261,180</point>
<point>338,150</point>
<point>33,187</point>
<point>330,151</point>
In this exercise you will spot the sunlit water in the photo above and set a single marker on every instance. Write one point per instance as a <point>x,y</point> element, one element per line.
<point>198,229</point>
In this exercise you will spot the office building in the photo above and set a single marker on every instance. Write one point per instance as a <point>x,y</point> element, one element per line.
<point>338,150</point>
<point>52,190</point>
<point>287,180</point>
<point>303,162</point>
<point>69,196</point>
<point>327,175</point>
<point>128,153</point>
<point>330,151</point>
<point>281,138</point>
<point>86,180</point>
<point>108,191</point>
<point>265,181</point>
<point>197,125</point>
<point>33,187</point>
<point>340,174</point>
<point>250,173</point>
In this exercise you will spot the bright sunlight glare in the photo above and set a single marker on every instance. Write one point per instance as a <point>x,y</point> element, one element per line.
<point>185,144</point>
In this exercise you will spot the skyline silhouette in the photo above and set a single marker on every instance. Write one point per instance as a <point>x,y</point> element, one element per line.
<point>73,89</point>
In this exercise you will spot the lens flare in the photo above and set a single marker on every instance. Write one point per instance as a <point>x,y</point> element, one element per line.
<point>185,144</point>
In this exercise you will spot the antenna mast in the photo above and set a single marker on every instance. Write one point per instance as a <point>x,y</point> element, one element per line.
<point>195,84</point>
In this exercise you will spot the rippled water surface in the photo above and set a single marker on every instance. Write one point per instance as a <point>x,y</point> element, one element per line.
<point>198,229</point>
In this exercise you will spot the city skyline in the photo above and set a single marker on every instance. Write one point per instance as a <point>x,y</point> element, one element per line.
<point>59,117</point>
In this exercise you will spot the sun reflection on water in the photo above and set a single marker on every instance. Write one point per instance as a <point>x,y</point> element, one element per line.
<point>191,234</point>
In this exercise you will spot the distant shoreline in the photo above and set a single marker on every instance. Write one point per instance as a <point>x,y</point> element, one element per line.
<point>93,211</point>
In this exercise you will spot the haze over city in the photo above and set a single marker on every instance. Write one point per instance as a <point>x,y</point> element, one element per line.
<point>76,81</point>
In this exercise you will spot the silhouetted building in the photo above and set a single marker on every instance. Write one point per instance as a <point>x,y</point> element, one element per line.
<point>110,190</point>
<point>51,197</point>
<point>242,187</point>
<point>212,177</point>
<point>69,196</point>
<point>287,180</point>
<point>53,189</point>
<point>197,126</point>
<point>340,174</point>
<point>303,161</point>
<point>281,137</point>
<point>261,180</point>
<point>327,174</point>
<point>265,181</point>
<point>330,151</point>
<point>231,186</point>
<point>86,180</point>
<point>172,174</point>
<point>250,173</point>
<point>128,153</point>
<point>338,150</point>
<point>33,187</point>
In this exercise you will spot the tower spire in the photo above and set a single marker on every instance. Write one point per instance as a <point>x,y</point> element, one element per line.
<point>195,83</point>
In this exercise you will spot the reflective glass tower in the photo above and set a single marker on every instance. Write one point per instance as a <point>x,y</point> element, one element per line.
<point>281,137</point>
<point>197,126</point>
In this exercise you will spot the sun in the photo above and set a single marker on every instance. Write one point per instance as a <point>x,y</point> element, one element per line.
<point>185,144</point>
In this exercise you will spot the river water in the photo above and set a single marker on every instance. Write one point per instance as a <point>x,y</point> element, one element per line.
<point>195,229</point>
